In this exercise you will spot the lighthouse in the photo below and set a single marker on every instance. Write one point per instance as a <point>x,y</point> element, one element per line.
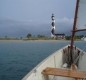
<point>53,26</point>
<point>53,33</point>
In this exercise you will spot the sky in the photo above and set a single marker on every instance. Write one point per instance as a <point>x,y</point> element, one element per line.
<point>34,15</point>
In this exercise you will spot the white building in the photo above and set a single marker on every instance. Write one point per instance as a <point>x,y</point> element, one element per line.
<point>84,38</point>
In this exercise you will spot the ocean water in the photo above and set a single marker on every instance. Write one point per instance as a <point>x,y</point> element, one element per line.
<point>17,58</point>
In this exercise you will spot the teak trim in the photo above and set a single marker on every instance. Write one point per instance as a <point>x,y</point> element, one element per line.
<point>64,73</point>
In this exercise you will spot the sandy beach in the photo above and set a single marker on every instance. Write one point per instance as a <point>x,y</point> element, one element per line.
<point>36,40</point>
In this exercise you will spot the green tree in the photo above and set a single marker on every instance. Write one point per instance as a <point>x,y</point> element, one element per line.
<point>21,37</point>
<point>40,36</point>
<point>29,35</point>
<point>6,37</point>
<point>68,37</point>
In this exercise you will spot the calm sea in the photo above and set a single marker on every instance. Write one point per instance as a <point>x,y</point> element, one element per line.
<point>17,58</point>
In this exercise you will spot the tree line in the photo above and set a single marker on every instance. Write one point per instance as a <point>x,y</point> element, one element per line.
<point>29,36</point>
<point>77,37</point>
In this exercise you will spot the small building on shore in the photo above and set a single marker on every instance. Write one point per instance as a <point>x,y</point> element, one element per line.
<point>84,38</point>
<point>60,36</point>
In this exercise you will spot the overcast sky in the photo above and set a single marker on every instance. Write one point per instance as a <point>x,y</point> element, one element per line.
<point>37,11</point>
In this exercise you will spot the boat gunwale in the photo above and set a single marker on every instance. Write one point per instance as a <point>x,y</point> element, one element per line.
<point>34,69</point>
<point>39,64</point>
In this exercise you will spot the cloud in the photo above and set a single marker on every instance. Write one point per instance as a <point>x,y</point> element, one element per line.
<point>19,28</point>
<point>82,27</point>
<point>64,25</point>
<point>64,20</point>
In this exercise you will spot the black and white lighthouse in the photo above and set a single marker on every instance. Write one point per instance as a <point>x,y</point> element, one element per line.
<point>53,33</point>
<point>53,26</point>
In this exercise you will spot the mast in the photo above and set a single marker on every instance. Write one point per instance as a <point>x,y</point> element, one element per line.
<point>73,32</point>
<point>53,26</point>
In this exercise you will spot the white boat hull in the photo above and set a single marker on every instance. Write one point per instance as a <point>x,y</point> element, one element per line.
<point>55,61</point>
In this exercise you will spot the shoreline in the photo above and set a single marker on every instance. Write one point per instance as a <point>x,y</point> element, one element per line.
<point>37,40</point>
